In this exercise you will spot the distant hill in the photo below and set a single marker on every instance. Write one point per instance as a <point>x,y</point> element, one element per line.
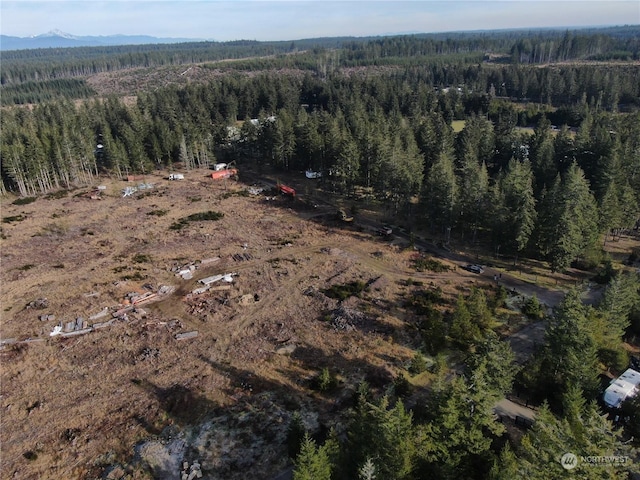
<point>58,39</point>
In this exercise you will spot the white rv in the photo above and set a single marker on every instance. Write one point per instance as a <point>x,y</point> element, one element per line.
<point>621,388</point>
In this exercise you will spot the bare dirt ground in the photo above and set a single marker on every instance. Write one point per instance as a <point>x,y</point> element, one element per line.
<point>77,407</point>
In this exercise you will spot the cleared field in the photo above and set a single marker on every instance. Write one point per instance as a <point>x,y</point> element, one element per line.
<point>80,406</point>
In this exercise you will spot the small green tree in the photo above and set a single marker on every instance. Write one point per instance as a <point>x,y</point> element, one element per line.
<point>384,433</point>
<point>325,381</point>
<point>295,435</point>
<point>418,364</point>
<point>532,308</point>
<point>312,463</point>
<point>401,386</point>
<point>463,332</point>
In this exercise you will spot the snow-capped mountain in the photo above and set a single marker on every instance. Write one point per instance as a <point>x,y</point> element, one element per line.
<point>59,39</point>
<point>56,33</point>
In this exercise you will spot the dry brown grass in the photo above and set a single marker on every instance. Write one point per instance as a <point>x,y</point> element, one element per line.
<point>72,406</point>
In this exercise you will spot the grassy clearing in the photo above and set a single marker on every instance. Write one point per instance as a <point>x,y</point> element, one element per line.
<point>458,125</point>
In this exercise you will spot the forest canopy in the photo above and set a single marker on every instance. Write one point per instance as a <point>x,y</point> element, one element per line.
<point>546,156</point>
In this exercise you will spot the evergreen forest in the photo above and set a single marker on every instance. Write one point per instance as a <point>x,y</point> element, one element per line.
<point>526,141</point>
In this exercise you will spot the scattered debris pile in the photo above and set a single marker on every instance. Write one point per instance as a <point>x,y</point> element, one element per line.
<point>148,353</point>
<point>186,335</point>
<point>226,446</point>
<point>209,281</point>
<point>70,329</point>
<point>131,305</point>
<point>128,191</point>
<point>191,472</point>
<point>38,304</point>
<point>185,271</point>
<point>345,318</point>
<point>255,190</point>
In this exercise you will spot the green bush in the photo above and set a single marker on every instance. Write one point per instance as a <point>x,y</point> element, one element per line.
<point>499,298</point>
<point>605,273</point>
<point>418,364</point>
<point>532,308</point>
<point>196,217</point>
<point>295,435</point>
<point>58,194</point>
<point>422,302</point>
<point>324,381</point>
<point>342,292</point>
<point>179,225</point>
<point>421,264</point>
<point>401,386</point>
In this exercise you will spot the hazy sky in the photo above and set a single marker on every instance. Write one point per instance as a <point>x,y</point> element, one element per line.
<point>288,19</point>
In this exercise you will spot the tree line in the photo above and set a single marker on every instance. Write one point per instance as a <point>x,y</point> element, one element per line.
<point>520,46</point>
<point>550,193</point>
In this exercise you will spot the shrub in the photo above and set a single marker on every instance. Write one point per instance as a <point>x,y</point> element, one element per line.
<point>401,385</point>
<point>134,276</point>
<point>499,298</point>
<point>179,225</point>
<point>418,364</point>
<point>532,308</point>
<point>342,292</point>
<point>58,194</point>
<point>605,274</point>
<point>295,435</point>
<point>157,213</point>
<point>324,381</point>
<point>14,218</point>
<point>24,200</point>
<point>30,455</point>
<point>202,216</point>
<point>421,264</point>
<point>141,258</point>
<point>423,301</point>
<point>196,217</point>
